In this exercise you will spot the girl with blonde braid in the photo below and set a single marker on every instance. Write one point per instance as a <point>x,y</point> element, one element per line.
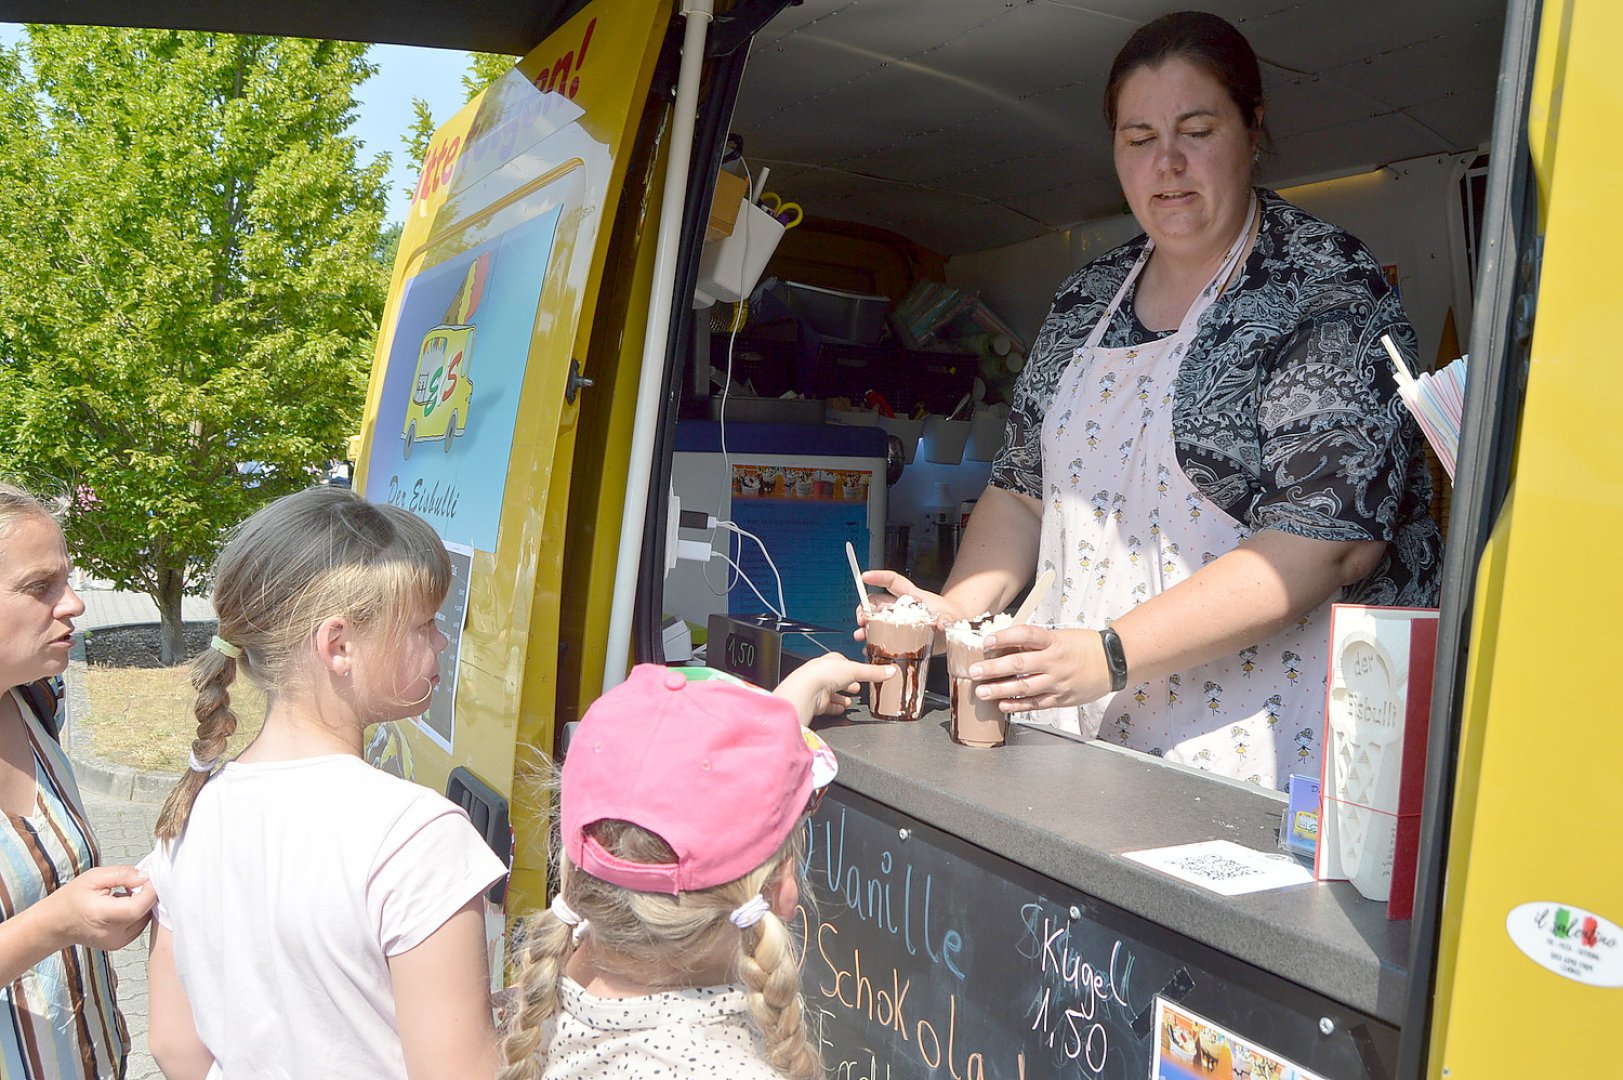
<point>667,952</point>
<point>317,917</point>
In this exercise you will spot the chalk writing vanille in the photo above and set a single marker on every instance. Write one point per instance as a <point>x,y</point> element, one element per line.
<point>871,893</point>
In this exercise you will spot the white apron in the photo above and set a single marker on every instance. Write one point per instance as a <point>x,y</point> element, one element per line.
<point>1121,523</point>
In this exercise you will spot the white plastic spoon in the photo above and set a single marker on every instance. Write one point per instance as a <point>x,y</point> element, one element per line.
<point>856,576</point>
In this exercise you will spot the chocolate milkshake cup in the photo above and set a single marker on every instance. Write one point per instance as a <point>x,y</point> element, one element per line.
<point>974,722</point>
<point>902,634</point>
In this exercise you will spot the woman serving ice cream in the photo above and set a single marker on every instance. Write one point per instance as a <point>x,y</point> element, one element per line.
<point>1206,445</point>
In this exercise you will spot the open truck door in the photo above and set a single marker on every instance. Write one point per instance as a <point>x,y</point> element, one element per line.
<point>503,289</point>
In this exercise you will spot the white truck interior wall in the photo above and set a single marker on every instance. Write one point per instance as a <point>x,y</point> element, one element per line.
<point>1407,213</point>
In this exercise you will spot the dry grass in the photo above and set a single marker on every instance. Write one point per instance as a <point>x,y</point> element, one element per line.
<point>142,717</point>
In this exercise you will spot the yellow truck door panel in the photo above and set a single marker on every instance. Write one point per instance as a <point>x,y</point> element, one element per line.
<point>467,424</point>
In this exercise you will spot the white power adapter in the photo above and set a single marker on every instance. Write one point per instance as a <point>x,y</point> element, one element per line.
<point>698,551</point>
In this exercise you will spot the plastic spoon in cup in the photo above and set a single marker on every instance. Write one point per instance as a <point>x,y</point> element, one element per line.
<point>856,576</point>
<point>1044,582</point>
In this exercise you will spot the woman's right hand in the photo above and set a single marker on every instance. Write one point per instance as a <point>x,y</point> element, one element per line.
<point>895,585</point>
<point>105,907</point>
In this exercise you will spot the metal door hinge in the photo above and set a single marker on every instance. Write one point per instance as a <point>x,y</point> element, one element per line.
<point>576,381</point>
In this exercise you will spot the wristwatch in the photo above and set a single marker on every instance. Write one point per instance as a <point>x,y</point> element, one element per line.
<point>1115,658</point>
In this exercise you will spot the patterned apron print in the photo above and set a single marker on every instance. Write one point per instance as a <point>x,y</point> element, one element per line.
<point>1121,523</point>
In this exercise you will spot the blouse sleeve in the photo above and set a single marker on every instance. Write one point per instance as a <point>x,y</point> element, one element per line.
<point>1336,439</point>
<point>1018,464</point>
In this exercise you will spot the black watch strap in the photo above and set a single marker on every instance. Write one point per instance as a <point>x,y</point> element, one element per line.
<point>1115,658</point>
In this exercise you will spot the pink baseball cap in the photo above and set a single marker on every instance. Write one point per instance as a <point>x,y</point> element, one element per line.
<point>720,771</point>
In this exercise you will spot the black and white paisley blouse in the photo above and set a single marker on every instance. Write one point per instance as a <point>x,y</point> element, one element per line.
<point>1286,413</point>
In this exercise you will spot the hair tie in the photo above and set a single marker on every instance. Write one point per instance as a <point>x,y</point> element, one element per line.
<point>224,648</point>
<point>570,917</point>
<point>201,766</point>
<point>566,914</point>
<point>750,912</point>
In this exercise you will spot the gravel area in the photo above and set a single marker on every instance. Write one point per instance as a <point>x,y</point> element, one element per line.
<point>137,646</point>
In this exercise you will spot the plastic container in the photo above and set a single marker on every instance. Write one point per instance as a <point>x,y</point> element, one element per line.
<point>853,417</point>
<point>944,439</point>
<point>852,317</point>
<point>907,431</point>
<point>985,436</point>
<point>730,267</point>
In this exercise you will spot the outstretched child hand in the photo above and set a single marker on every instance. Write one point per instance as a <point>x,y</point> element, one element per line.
<point>824,685</point>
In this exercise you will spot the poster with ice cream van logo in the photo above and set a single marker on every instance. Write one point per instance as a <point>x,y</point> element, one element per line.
<point>451,389</point>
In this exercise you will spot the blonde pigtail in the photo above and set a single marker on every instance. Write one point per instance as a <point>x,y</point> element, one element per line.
<point>212,675</point>
<point>771,973</point>
<point>548,941</point>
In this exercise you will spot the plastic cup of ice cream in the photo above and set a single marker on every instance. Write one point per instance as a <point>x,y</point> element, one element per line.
<point>901,633</point>
<point>975,722</point>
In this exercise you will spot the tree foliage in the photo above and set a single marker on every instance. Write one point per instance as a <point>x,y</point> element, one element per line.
<point>194,280</point>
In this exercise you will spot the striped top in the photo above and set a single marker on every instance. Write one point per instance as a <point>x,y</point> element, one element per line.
<point>58,1021</point>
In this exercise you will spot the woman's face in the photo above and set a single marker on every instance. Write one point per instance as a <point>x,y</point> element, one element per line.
<point>37,605</point>
<point>1183,155</point>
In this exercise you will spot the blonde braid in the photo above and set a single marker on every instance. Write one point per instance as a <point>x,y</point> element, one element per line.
<point>771,971</point>
<point>547,945</point>
<point>212,675</point>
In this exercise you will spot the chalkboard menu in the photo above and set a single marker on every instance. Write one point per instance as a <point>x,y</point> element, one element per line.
<point>929,957</point>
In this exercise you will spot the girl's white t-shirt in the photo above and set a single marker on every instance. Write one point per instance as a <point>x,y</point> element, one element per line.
<point>294,883</point>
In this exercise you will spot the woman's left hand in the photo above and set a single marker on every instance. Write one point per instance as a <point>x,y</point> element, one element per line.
<point>1049,668</point>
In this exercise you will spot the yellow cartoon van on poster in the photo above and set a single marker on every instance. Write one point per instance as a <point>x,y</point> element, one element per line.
<point>441,391</point>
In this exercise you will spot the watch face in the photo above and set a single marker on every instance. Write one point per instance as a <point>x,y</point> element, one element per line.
<point>1115,658</point>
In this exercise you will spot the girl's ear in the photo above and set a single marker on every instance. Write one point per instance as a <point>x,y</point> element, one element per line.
<point>784,894</point>
<point>335,645</point>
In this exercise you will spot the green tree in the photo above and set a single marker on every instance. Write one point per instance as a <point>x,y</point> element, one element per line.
<point>192,288</point>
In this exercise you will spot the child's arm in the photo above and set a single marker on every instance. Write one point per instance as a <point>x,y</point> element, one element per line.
<point>171,1031</point>
<point>821,685</point>
<point>442,1000</point>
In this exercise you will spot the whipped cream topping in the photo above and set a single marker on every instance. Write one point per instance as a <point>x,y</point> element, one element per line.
<point>906,611</point>
<point>974,632</point>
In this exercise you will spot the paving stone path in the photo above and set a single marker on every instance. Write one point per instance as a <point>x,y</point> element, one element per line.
<point>124,830</point>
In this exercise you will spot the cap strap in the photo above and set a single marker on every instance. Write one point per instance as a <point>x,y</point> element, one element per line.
<point>750,912</point>
<point>604,865</point>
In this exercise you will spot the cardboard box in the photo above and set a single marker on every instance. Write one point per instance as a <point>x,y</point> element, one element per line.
<point>1377,711</point>
<point>731,193</point>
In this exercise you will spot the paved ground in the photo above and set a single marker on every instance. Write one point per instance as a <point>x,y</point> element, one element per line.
<point>124,830</point>
<point>105,606</point>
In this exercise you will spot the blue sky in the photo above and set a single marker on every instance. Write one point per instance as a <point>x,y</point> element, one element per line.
<point>404,72</point>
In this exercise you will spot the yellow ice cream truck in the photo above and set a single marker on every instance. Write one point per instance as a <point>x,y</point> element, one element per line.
<point>977,914</point>
<point>442,391</point>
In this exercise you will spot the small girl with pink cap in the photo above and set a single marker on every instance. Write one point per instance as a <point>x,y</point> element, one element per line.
<point>667,952</point>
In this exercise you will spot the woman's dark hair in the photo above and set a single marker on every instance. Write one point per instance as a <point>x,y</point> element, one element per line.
<point>1203,39</point>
